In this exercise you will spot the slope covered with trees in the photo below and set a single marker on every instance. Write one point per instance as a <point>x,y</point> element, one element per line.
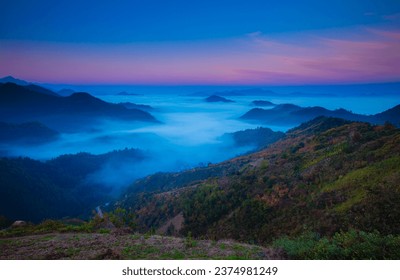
<point>33,190</point>
<point>329,189</point>
<point>330,183</point>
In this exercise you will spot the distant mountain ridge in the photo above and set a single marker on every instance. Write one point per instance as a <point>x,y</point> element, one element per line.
<point>41,90</point>
<point>26,133</point>
<point>124,93</point>
<point>392,115</point>
<point>262,103</point>
<point>289,114</point>
<point>33,103</point>
<point>130,105</point>
<point>65,92</point>
<point>238,92</point>
<point>11,79</point>
<point>258,138</point>
<point>216,98</point>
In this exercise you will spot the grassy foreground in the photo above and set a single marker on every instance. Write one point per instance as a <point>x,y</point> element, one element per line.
<point>91,240</point>
<point>89,246</point>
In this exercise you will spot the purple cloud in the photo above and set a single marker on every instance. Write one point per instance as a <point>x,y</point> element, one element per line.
<point>350,56</point>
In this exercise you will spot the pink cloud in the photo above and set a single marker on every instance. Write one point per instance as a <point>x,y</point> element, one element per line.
<point>388,34</point>
<point>254,59</point>
<point>326,60</point>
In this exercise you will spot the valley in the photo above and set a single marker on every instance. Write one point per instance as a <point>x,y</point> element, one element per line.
<point>297,182</point>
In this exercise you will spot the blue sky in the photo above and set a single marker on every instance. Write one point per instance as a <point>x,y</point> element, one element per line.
<point>132,21</point>
<point>170,32</point>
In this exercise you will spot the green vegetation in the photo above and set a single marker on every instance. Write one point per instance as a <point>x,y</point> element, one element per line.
<point>343,245</point>
<point>327,182</point>
<point>95,225</point>
<point>33,190</point>
<point>80,245</point>
<point>139,251</point>
<point>47,226</point>
<point>174,255</point>
<point>122,218</point>
<point>189,242</point>
<point>329,190</point>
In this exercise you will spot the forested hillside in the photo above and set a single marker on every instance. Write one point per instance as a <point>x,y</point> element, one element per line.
<point>327,179</point>
<point>33,190</point>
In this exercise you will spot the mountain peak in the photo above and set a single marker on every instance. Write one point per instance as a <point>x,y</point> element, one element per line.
<point>217,98</point>
<point>11,79</point>
<point>262,103</point>
<point>26,103</point>
<point>318,124</point>
<point>81,95</point>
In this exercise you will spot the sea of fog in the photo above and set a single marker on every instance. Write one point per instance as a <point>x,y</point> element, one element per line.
<point>361,99</point>
<point>189,132</point>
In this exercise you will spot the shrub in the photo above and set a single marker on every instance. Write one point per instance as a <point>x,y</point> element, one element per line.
<point>121,217</point>
<point>343,245</point>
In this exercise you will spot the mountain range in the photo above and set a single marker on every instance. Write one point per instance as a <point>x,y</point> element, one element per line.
<point>11,79</point>
<point>292,115</point>
<point>77,111</point>
<point>238,92</point>
<point>327,189</point>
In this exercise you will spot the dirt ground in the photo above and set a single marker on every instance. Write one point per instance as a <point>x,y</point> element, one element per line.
<point>115,245</point>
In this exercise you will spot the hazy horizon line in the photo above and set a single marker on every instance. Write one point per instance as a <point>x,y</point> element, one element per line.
<point>255,85</point>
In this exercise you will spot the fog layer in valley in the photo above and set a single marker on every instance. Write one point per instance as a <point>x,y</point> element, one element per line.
<point>186,137</point>
<point>189,134</point>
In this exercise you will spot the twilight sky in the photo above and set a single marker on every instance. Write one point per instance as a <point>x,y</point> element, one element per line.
<point>252,42</point>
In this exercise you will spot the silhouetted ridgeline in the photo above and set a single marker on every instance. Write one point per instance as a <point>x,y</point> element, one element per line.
<point>130,105</point>
<point>289,114</point>
<point>26,133</point>
<point>257,138</point>
<point>77,111</point>
<point>65,92</point>
<point>262,103</point>
<point>216,98</point>
<point>238,92</point>
<point>11,79</point>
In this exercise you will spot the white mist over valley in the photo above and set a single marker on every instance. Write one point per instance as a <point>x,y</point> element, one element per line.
<point>189,132</point>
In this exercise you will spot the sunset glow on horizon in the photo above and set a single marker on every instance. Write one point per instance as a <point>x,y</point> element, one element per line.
<point>368,53</point>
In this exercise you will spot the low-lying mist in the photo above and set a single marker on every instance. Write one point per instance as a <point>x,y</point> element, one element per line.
<point>188,136</point>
